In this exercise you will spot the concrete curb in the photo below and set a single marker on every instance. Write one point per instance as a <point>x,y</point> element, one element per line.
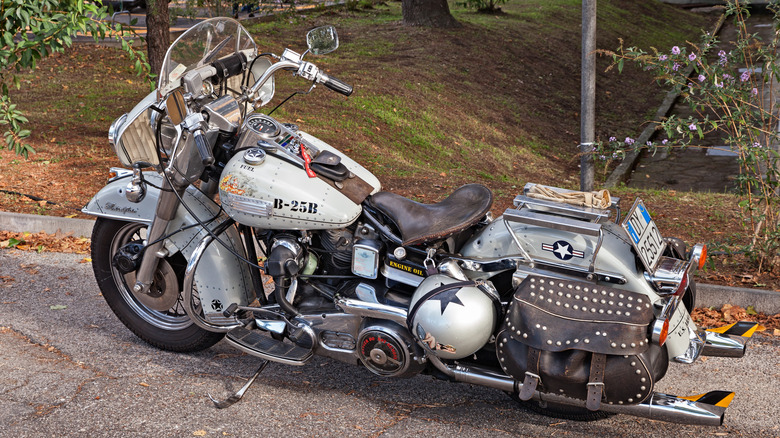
<point>708,295</point>
<point>713,295</point>
<point>31,223</point>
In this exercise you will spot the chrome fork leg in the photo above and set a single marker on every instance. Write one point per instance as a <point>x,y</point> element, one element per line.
<point>167,204</point>
<point>240,393</point>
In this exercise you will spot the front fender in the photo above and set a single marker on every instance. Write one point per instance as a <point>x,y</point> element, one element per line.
<point>221,279</point>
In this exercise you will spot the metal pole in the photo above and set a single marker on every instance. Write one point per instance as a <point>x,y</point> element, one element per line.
<point>588,94</point>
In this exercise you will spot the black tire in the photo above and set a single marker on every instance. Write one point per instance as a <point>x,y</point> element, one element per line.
<point>564,412</point>
<point>170,330</point>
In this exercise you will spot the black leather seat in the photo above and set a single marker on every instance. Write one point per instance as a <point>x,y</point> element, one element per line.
<point>421,223</point>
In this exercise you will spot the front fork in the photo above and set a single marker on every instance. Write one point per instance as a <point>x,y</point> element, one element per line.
<point>167,204</point>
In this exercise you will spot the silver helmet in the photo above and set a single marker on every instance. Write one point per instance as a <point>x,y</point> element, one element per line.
<point>455,321</point>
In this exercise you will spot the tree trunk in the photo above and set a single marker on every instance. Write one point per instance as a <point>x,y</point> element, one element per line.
<point>431,13</point>
<point>158,35</point>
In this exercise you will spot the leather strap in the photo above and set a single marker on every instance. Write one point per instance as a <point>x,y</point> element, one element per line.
<point>596,381</point>
<point>532,378</point>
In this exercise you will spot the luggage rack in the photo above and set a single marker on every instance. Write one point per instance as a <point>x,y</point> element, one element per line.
<point>559,216</point>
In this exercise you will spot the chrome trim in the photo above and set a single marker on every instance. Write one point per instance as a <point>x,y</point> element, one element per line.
<point>668,275</point>
<point>247,205</point>
<point>549,221</point>
<point>269,73</point>
<point>400,276</point>
<point>113,130</point>
<point>120,172</point>
<point>695,346</point>
<point>561,208</point>
<point>372,310</point>
<point>267,357</point>
<point>716,344</point>
<point>659,406</point>
<point>524,253</point>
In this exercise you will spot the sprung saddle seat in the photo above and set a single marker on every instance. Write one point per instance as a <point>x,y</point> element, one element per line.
<point>422,223</point>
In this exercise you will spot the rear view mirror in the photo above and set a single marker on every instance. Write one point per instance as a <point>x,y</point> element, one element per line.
<point>322,40</point>
<point>175,106</point>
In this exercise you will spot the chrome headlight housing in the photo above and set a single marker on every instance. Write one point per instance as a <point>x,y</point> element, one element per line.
<point>113,130</point>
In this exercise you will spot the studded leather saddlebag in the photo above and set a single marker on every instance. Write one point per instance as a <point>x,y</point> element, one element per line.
<point>580,340</point>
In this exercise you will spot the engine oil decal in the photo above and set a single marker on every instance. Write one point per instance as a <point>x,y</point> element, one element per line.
<point>296,206</point>
<point>404,267</point>
<point>563,250</point>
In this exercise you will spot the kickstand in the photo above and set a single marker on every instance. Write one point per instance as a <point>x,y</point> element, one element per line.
<point>240,393</point>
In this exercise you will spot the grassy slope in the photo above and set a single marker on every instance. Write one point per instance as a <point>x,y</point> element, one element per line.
<point>497,100</point>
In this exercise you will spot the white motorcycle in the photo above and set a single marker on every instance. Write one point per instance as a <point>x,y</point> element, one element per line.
<point>559,302</point>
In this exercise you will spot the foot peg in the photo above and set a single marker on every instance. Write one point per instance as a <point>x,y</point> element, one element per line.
<point>240,393</point>
<point>256,343</point>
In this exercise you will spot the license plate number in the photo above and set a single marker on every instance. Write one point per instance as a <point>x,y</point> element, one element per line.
<point>644,235</point>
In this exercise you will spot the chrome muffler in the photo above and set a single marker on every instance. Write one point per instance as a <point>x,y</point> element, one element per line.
<point>716,344</point>
<point>659,406</point>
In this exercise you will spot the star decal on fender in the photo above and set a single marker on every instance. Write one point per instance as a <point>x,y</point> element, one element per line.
<point>563,250</point>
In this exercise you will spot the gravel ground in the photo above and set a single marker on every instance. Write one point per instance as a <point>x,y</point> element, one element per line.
<point>78,371</point>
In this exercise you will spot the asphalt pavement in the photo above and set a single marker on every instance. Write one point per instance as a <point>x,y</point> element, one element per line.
<point>68,367</point>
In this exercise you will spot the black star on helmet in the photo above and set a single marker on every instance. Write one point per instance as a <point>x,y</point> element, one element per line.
<point>449,297</point>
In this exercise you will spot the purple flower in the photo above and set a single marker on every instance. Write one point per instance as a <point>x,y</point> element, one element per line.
<point>754,91</point>
<point>702,78</point>
<point>756,145</point>
<point>692,57</point>
<point>727,76</point>
<point>629,141</point>
<point>612,139</point>
<point>692,126</point>
<point>676,66</point>
<point>664,141</point>
<point>719,84</point>
<point>649,143</point>
<point>602,157</point>
<point>745,76</point>
<point>675,50</point>
<point>663,58</point>
<point>722,53</point>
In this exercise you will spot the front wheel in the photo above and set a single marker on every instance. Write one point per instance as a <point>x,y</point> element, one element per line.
<point>169,329</point>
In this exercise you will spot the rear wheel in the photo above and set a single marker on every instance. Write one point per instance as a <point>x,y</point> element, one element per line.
<point>170,329</point>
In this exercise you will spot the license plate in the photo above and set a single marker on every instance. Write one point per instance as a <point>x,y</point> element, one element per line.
<point>644,235</point>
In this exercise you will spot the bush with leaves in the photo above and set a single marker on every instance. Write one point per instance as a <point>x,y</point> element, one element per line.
<point>31,31</point>
<point>726,92</point>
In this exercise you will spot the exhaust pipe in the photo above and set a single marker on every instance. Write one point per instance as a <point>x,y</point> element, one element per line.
<point>716,344</point>
<point>372,310</point>
<point>659,406</point>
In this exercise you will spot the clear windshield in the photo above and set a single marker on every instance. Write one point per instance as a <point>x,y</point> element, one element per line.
<point>203,43</point>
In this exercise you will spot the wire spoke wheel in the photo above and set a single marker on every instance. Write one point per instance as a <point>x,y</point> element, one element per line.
<point>158,317</point>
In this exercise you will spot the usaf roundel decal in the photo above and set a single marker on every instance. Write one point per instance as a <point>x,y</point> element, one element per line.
<point>563,250</point>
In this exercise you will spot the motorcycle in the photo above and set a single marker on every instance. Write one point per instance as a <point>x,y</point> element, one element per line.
<point>561,302</point>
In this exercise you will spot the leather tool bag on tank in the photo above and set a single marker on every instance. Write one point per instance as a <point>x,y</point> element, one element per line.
<point>580,340</point>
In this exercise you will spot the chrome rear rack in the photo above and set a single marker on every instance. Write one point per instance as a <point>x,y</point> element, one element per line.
<point>560,216</point>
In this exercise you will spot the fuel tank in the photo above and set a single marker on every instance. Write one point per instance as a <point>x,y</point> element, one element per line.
<point>266,184</point>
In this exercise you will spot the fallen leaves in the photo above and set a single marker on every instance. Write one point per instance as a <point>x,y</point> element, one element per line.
<point>43,242</point>
<point>727,314</point>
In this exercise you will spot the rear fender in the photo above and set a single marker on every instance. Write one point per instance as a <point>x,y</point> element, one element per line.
<point>222,279</point>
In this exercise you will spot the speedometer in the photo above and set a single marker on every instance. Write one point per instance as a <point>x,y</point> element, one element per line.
<point>264,126</point>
